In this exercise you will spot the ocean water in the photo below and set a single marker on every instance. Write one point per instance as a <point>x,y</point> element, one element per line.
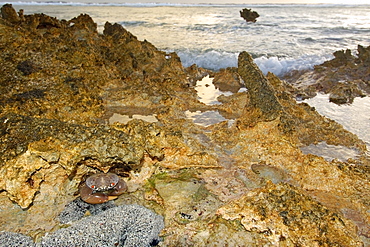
<point>285,37</point>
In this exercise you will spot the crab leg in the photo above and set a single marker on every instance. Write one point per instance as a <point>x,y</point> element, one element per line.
<point>88,196</point>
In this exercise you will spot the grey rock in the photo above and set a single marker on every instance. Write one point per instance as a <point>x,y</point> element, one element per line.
<point>76,209</point>
<point>127,225</point>
<point>12,239</point>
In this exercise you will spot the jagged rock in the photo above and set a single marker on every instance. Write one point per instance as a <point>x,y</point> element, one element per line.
<point>41,21</point>
<point>341,58</point>
<point>8,13</point>
<point>262,96</point>
<point>249,15</point>
<point>196,73</point>
<point>84,21</point>
<point>363,55</point>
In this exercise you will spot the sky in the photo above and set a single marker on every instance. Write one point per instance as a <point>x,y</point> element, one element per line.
<point>210,1</point>
<point>244,1</point>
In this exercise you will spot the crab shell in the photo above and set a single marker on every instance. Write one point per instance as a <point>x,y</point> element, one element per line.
<point>102,181</point>
<point>102,187</point>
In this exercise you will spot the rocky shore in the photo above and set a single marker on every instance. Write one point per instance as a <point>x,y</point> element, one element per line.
<point>241,184</point>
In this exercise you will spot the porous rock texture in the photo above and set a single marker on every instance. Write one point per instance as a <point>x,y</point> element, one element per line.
<point>241,184</point>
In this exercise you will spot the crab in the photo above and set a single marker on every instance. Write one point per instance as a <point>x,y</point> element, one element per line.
<point>102,187</point>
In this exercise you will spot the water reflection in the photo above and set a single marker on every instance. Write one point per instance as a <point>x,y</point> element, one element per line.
<point>207,118</point>
<point>208,93</point>
<point>118,118</point>
<point>330,152</point>
<point>354,117</point>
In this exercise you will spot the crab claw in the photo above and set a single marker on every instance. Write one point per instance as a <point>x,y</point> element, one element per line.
<point>120,188</point>
<point>88,196</point>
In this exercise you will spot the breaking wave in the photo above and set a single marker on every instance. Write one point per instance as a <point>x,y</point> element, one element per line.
<point>215,60</point>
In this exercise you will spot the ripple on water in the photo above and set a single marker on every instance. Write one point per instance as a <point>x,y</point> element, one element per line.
<point>331,152</point>
<point>207,118</point>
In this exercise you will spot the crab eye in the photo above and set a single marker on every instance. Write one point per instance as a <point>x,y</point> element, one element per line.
<point>92,186</point>
<point>112,184</point>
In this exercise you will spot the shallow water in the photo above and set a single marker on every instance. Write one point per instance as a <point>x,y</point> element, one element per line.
<point>119,118</point>
<point>208,93</point>
<point>331,152</point>
<point>354,117</point>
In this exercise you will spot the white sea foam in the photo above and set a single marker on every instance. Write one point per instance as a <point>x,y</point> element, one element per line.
<point>215,60</point>
<point>280,66</point>
<point>211,59</point>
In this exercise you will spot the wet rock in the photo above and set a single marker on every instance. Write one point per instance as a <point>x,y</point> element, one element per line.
<point>340,58</point>
<point>248,15</point>
<point>345,71</point>
<point>8,13</point>
<point>38,143</point>
<point>344,93</point>
<point>196,73</point>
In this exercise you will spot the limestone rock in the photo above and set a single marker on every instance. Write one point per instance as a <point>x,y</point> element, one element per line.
<point>30,147</point>
<point>285,215</point>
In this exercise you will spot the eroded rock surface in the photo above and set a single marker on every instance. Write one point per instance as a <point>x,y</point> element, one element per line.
<point>241,182</point>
